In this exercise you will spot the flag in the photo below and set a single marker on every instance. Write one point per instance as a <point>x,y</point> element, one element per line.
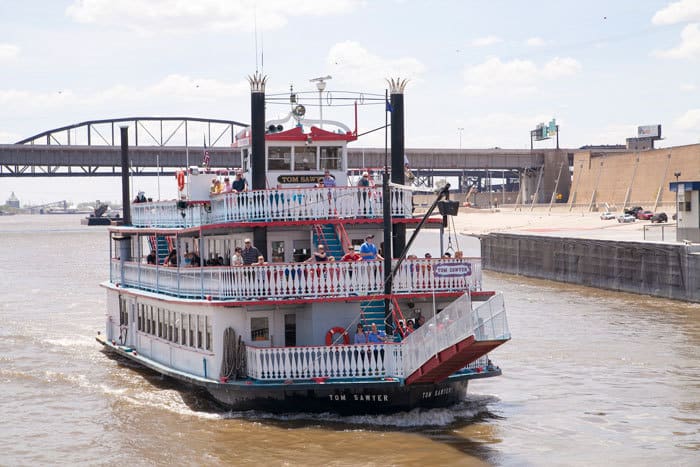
<point>205,161</point>
<point>388,107</point>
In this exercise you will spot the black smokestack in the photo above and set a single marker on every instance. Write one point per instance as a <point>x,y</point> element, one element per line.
<point>257,158</point>
<point>126,199</point>
<point>397,155</point>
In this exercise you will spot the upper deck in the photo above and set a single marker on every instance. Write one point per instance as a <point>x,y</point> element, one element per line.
<point>276,205</point>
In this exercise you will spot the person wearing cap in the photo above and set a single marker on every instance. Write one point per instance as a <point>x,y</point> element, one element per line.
<point>362,184</point>
<point>368,250</point>
<point>250,254</point>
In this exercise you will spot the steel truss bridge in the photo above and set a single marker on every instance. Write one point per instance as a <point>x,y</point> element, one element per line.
<point>162,145</point>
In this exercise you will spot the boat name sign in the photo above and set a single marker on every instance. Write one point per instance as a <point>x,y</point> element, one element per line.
<point>453,270</point>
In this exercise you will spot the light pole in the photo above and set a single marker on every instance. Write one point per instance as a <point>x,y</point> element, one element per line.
<point>460,137</point>
<point>320,85</point>
<point>677,174</point>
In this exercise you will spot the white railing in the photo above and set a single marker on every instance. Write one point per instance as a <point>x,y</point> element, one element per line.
<point>333,362</point>
<point>298,280</point>
<point>284,204</point>
<point>453,324</point>
<point>337,361</point>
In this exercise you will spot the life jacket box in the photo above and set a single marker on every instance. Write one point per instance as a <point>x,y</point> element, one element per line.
<point>200,185</point>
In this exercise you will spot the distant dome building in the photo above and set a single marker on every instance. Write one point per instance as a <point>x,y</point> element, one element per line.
<point>12,201</point>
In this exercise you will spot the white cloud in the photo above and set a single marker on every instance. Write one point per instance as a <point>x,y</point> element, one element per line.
<point>152,16</point>
<point>8,52</point>
<point>689,46</point>
<point>485,41</point>
<point>535,42</point>
<point>688,87</point>
<point>678,12</point>
<point>689,120</point>
<point>173,88</point>
<point>515,76</point>
<point>353,64</point>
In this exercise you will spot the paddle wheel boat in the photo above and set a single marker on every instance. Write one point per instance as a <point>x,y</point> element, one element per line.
<point>279,335</point>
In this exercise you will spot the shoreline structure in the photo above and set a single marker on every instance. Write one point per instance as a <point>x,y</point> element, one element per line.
<point>580,248</point>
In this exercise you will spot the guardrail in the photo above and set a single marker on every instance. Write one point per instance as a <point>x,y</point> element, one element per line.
<point>274,205</point>
<point>299,280</point>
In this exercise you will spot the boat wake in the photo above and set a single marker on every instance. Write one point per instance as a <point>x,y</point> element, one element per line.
<point>474,407</point>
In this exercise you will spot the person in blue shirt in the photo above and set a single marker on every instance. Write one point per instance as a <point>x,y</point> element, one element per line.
<point>368,250</point>
<point>360,336</point>
<point>375,336</point>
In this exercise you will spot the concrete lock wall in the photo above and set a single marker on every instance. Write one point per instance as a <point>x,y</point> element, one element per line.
<point>625,179</point>
<point>662,270</point>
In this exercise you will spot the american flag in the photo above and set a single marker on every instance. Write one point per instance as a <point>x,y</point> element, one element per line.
<point>205,161</point>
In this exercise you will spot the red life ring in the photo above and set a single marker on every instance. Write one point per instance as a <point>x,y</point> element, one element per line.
<point>337,330</point>
<point>180,179</point>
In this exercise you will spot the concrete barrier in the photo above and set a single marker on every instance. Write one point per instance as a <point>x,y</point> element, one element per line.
<point>658,269</point>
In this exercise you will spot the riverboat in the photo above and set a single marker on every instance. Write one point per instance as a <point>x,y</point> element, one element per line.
<point>279,335</point>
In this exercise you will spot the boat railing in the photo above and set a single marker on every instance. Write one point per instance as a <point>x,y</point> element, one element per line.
<point>284,204</point>
<point>453,324</point>
<point>331,362</point>
<point>336,361</point>
<point>294,280</point>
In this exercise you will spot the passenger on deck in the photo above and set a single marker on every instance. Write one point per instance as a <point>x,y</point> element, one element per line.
<point>368,250</point>
<point>409,327</point>
<point>240,184</point>
<point>375,336</point>
<point>459,254</point>
<point>260,261</point>
<point>171,260</point>
<point>319,255</point>
<point>140,198</point>
<point>328,179</point>
<point>351,254</point>
<point>227,186</point>
<point>237,257</point>
<point>151,258</point>
<point>360,335</point>
<point>419,321</point>
<point>215,186</point>
<point>250,253</point>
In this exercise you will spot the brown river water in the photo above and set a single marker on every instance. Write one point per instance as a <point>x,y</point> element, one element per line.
<point>590,377</point>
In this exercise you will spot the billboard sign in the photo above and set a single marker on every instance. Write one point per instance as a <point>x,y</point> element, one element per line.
<point>649,131</point>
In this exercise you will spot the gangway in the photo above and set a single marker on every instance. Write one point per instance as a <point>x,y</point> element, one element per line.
<point>453,338</point>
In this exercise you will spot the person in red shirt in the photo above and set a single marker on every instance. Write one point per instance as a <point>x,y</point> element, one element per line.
<point>351,254</point>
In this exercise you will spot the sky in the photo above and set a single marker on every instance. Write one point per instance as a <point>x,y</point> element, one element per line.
<point>481,74</point>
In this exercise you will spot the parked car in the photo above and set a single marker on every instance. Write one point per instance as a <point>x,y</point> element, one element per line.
<point>626,218</point>
<point>659,218</point>
<point>633,211</point>
<point>644,215</point>
<point>607,216</point>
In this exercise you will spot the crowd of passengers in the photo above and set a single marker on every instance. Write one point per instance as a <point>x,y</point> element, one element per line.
<point>250,255</point>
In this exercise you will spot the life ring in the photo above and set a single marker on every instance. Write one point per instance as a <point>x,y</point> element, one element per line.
<point>180,179</point>
<point>337,330</point>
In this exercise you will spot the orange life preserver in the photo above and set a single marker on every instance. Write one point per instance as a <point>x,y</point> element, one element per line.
<point>337,330</point>
<point>180,175</point>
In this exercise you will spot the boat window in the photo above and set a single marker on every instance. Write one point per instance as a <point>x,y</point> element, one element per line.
<point>279,158</point>
<point>245,154</point>
<point>176,325</point>
<point>183,329</point>
<point>304,158</point>
<point>302,250</point>
<point>160,322</point>
<point>201,326</point>
<point>171,319</point>
<point>290,330</point>
<point>208,341</point>
<point>259,329</point>
<point>190,328</point>
<point>277,252</point>
<point>330,157</point>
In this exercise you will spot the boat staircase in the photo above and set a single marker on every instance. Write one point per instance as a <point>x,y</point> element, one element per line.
<point>454,338</point>
<point>326,235</point>
<point>162,245</point>
<point>373,312</point>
